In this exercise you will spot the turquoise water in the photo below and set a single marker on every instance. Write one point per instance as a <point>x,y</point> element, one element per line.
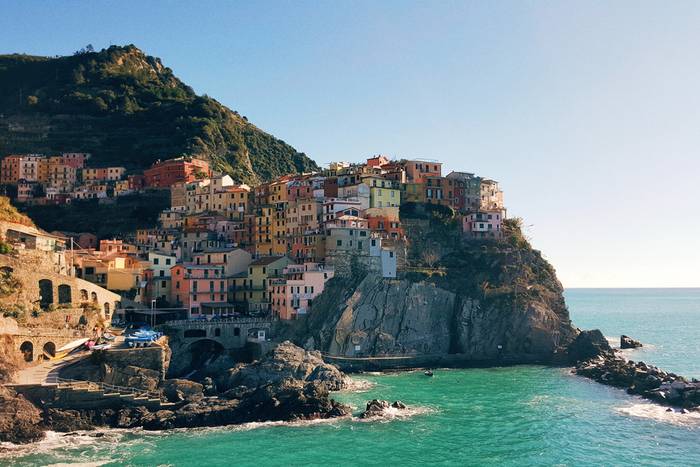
<point>525,415</point>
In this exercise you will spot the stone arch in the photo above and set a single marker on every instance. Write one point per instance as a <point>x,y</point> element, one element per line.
<point>64,294</point>
<point>93,296</point>
<point>45,292</point>
<point>106,308</point>
<point>27,349</point>
<point>189,333</point>
<point>49,350</point>
<point>83,295</point>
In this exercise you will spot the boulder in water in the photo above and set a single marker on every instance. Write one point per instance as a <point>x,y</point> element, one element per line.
<point>375,408</point>
<point>588,345</point>
<point>627,342</point>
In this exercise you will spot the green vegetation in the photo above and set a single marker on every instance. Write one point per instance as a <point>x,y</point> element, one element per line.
<point>8,213</point>
<point>124,215</point>
<point>127,109</point>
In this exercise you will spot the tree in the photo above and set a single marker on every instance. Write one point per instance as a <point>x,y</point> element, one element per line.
<point>430,258</point>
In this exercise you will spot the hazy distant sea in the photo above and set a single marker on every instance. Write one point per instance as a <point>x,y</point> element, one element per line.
<point>527,415</point>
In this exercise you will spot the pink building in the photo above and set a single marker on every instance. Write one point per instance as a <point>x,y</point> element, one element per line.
<point>293,294</point>
<point>483,224</point>
<point>200,289</point>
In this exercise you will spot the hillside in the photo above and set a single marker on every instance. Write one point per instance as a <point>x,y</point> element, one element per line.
<point>8,213</point>
<point>127,108</point>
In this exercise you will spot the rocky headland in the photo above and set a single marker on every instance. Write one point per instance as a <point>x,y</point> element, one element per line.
<point>595,359</point>
<point>474,303</point>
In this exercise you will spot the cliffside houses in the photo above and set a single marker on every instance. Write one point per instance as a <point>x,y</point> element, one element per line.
<point>226,248</point>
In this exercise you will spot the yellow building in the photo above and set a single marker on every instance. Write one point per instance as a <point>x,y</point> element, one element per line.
<point>413,192</point>
<point>383,193</point>
<point>251,288</point>
<point>264,219</point>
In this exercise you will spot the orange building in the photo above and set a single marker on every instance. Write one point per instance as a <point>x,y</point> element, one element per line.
<point>166,173</point>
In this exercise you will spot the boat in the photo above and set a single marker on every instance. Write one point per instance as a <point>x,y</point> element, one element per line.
<point>72,345</point>
<point>428,373</point>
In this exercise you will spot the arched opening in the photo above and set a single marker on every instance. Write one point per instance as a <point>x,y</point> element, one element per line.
<point>204,352</point>
<point>217,332</point>
<point>45,293</point>
<point>195,333</point>
<point>106,308</point>
<point>27,349</point>
<point>83,295</point>
<point>64,294</point>
<point>49,350</point>
<point>93,296</point>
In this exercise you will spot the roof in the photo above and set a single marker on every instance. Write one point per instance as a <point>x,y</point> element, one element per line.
<point>265,260</point>
<point>216,250</point>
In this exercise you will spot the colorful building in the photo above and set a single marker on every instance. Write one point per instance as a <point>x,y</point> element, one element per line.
<point>163,174</point>
<point>199,289</point>
<point>292,294</point>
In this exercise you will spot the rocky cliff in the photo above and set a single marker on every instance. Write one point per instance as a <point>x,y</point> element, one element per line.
<point>477,301</point>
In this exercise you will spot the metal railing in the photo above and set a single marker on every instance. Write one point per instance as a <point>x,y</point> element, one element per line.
<point>104,387</point>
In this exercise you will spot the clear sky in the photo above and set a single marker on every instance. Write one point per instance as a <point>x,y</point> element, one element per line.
<point>588,113</point>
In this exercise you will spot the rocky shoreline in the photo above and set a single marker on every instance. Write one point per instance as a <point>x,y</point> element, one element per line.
<point>605,365</point>
<point>288,384</point>
<point>292,384</point>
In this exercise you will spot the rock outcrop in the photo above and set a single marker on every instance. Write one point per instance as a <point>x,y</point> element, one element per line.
<point>479,300</point>
<point>20,420</point>
<point>587,345</point>
<point>627,342</point>
<point>403,317</point>
<point>641,379</point>
<point>288,384</point>
<point>284,362</point>
<point>379,408</point>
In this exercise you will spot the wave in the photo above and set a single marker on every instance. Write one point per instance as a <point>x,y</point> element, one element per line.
<point>62,446</point>
<point>660,413</point>
<point>358,385</point>
<point>392,413</point>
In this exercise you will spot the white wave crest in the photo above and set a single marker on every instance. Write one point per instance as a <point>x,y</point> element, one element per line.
<point>660,413</point>
<point>358,385</point>
<point>393,413</point>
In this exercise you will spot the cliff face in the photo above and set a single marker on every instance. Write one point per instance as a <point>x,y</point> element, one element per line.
<point>475,297</point>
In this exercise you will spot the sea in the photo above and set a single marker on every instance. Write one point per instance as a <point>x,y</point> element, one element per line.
<point>522,415</point>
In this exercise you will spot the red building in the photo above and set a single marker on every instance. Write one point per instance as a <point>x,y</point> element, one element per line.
<point>166,173</point>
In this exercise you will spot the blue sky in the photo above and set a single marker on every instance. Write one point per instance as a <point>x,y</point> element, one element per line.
<point>586,112</point>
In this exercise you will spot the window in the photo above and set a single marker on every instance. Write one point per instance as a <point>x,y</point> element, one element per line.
<point>155,260</point>
<point>339,243</point>
<point>167,261</point>
<point>162,284</point>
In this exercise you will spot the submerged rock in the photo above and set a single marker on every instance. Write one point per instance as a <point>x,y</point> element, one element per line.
<point>627,342</point>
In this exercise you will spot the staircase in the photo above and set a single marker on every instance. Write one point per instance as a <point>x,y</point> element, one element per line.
<point>77,394</point>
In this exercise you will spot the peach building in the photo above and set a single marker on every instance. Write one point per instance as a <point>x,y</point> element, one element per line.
<point>200,289</point>
<point>293,294</point>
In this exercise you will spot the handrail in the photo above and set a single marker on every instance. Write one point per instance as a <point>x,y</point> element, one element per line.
<point>105,387</point>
